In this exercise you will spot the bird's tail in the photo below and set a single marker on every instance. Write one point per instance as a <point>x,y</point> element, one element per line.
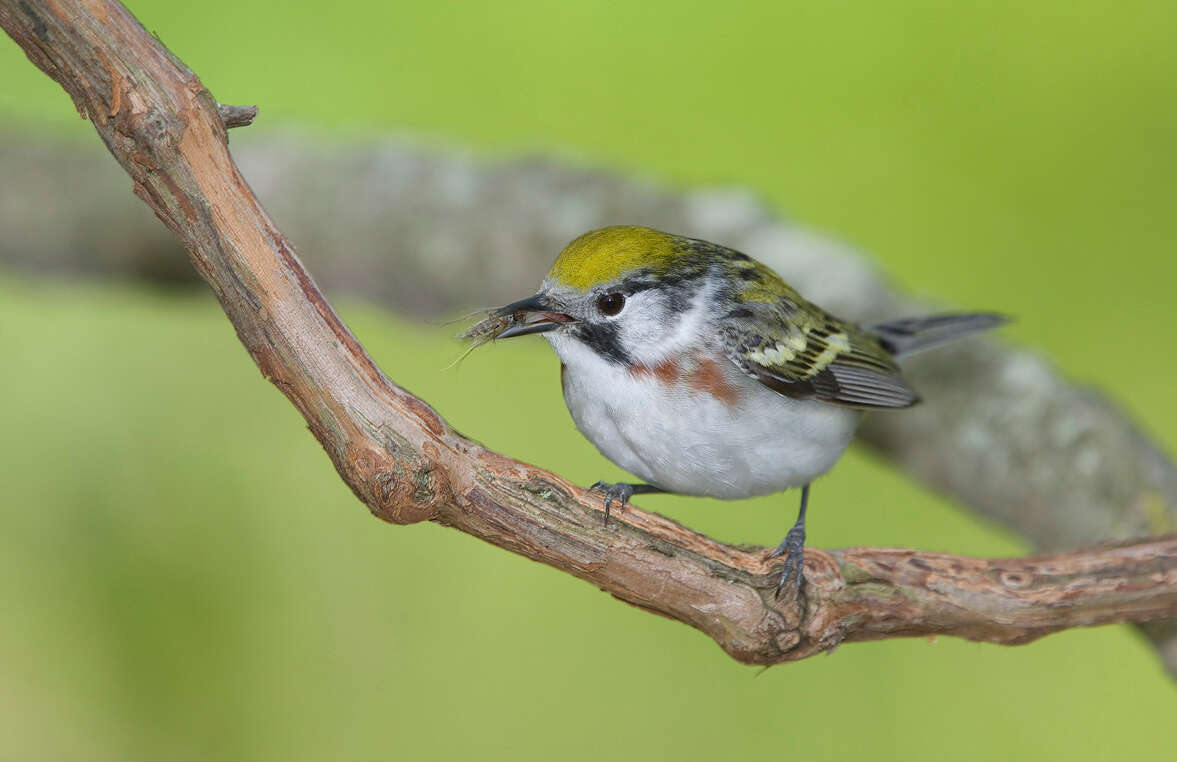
<point>910,335</point>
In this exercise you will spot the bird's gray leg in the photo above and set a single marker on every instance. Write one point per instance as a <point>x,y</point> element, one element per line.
<point>793,547</point>
<point>622,493</point>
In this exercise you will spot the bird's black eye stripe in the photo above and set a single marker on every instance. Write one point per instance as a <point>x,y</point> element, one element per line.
<point>611,303</point>
<point>603,338</point>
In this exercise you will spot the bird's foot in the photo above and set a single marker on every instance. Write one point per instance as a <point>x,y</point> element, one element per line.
<point>614,492</point>
<point>793,549</point>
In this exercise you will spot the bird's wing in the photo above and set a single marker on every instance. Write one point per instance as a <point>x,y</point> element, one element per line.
<point>799,350</point>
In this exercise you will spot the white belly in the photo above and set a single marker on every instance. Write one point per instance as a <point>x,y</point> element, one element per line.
<point>688,441</point>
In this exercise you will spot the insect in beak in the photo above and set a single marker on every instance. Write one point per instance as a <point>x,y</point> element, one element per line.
<point>530,315</point>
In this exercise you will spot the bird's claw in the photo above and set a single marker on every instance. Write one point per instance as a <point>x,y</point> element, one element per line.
<point>793,549</point>
<point>619,492</point>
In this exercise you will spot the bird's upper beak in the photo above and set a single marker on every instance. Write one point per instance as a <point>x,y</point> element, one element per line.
<point>531,315</point>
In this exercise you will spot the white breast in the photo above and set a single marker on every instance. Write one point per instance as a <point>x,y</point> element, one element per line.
<point>684,439</point>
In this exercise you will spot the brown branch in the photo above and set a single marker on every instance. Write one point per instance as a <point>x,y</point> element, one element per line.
<point>237,116</point>
<point>408,465</point>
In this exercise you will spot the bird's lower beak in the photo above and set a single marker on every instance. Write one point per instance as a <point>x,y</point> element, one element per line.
<point>531,315</point>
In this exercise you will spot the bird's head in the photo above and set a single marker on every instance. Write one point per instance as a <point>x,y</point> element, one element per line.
<point>632,295</point>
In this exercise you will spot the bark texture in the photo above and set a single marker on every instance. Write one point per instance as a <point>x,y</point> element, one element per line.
<point>407,465</point>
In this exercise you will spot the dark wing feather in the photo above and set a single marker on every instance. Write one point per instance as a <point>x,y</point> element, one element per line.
<point>797,349</point>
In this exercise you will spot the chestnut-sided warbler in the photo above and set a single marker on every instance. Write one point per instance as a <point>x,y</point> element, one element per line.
<point>697,369</point>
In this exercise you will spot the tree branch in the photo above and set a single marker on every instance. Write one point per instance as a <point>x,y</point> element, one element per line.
<point>403,461</point>
<point>237,116</point>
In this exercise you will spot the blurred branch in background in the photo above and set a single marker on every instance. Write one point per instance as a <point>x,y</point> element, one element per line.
<point>1002,432</point>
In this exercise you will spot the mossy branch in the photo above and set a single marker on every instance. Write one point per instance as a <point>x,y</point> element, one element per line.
<point>407,465</point>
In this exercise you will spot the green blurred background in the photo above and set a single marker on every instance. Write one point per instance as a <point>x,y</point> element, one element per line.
<point>182,575</point>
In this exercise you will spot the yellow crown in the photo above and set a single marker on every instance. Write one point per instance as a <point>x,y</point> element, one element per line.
<point>605,255</point>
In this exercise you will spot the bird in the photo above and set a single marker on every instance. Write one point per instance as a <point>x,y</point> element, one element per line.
<point>700,371</point>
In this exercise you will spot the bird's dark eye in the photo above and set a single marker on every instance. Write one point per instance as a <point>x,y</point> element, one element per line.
<point>611,304</point>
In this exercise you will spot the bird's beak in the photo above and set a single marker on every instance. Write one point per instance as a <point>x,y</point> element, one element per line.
<point>531,315</point>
